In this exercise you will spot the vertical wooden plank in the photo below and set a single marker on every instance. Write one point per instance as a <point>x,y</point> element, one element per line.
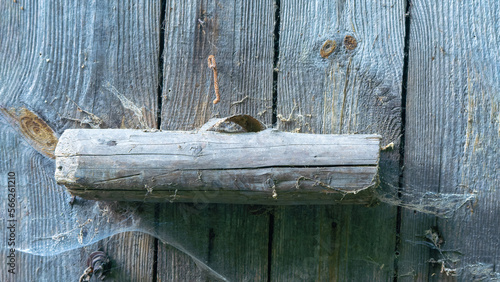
<point>453,136</point>
<point>228,238</point>
<point>354,89</point>
<point>85,64</point>
<point>239,35</point>
<point>131,255</point>
<point>216,242</point>
<point>30,167</point>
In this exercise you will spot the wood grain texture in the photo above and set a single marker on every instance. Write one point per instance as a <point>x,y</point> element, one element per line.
<point>354,89</point>
<point>225,240</point>
<point>213,150</point>
<point>266,167</point>
<point>32,168</point>
<point>178,266</point>
<point>131,255</point>
<point>316,243</point>
<point>453,137</point>
<point>85,64</point>
<point>240,36</point>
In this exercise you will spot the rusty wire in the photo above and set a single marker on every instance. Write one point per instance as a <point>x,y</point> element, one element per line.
<point>213,66</point>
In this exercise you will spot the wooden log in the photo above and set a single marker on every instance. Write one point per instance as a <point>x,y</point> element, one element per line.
<point>266,167</point>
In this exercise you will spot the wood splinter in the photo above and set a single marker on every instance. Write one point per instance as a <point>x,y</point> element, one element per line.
<point>213,66</point>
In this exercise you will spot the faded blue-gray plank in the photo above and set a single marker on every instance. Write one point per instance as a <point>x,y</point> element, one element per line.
<point>229,238</point>
<point>453,139</point>
<point>240,36</point>
<point>356,89</point>
<point>52,53</point>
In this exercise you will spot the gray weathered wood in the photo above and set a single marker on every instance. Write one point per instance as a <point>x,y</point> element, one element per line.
<point>253,168</point>
<point>453,139</point>
<point>217,235</point>
<point>240,35</point>
<point>356,89</point>
<point>53,53</point>
<point>52,49</point>
<point>131,255</point>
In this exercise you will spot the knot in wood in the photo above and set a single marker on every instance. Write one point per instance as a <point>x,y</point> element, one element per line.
<point>350,42</point>
<point>34,129</point>
<point>327,48</point>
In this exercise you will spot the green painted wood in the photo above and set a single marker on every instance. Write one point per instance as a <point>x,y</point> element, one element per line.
<point>76,65</point>
<point>356,89</point>
<point>240,36</point>
<point>453,138</point>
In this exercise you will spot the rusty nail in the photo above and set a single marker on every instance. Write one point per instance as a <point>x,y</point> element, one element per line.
<point>327,48</point>
<point>213,66</point>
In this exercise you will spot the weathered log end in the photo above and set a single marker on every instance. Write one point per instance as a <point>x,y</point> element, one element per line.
<point>266,167</point>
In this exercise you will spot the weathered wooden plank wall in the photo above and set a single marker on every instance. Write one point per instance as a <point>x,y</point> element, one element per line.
<point>453,138</point>
<point>56,52</point>
<point>230,238</point>
<point>105,57</point>
<point>356,89</point>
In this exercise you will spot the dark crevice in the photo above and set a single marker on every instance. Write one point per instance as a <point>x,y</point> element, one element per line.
<point>117,178</point>
<point>277,166</point>
<point>404,90</point>
<point>270,246</point>
<point>277,21</point>
<point>161,61</point>
<point>161,44</point>
<point>211,238</point>
<point>277,24</point>
<point>80,181</point>
<point>155,244</point>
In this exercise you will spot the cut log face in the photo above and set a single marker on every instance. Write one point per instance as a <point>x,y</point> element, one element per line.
<point>266,167</point>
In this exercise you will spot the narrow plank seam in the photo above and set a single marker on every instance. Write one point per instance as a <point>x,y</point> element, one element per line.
<point>274,120</point>
<point>161,64</point>
<point>155,245</point>
<point>270,245</point>
<point>404,88</point>
<point>277,23</point>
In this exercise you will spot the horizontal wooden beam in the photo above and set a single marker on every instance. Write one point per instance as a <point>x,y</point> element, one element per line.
<point>266,167</point>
